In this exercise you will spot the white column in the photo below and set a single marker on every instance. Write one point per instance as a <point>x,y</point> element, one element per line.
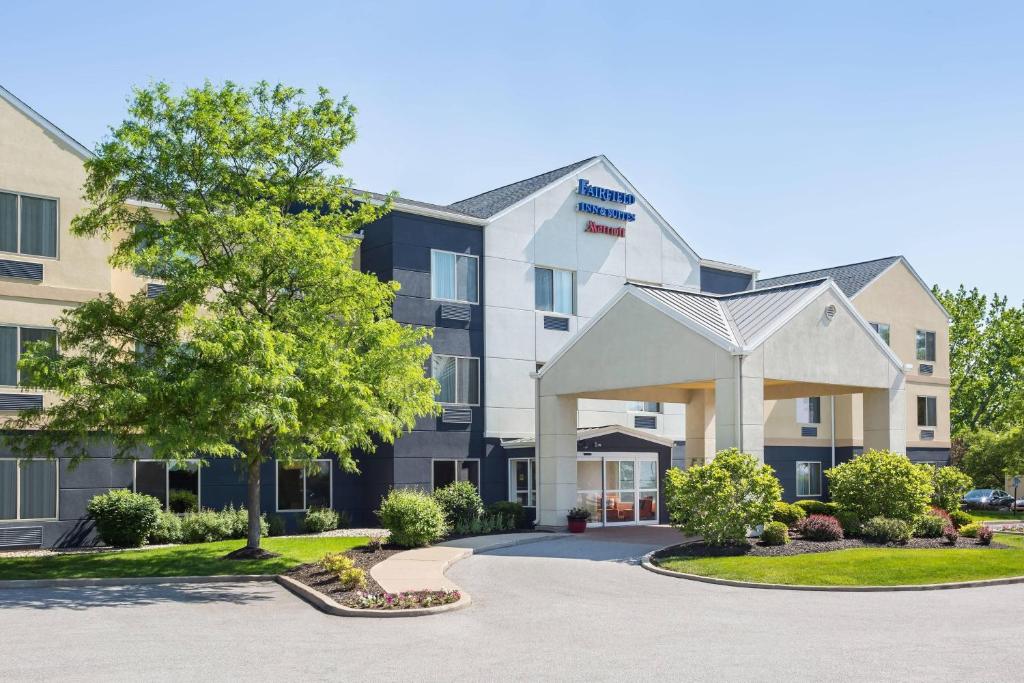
<point>700,426</point>
<point>885,418</point>
<point>556,459</point>
<point>739,412</point>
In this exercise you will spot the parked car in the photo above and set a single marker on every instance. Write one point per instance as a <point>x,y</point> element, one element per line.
<point>988,499</point>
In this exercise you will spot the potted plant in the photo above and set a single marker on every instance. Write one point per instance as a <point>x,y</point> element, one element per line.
<point>578,518</point>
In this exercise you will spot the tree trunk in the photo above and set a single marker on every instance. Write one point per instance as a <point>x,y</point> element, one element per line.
<point>254,504</point>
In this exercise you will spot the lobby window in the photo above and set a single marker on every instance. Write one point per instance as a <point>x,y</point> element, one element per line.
<point>13,342</point>
<point>28,225</point>
<point>299,489</point>
<point>925,345</point>
<point>643,406</point>
<point>28,489</point>
<point>450,471</point>
<point>174,483</point>
<point>808,479</point>
<point>808,410</point>
<point>454,277</point>
<point>459,378</point>
<point>927,415</point>
<point>882,329</point>
<point>522,481</point>
<point>555,290</point>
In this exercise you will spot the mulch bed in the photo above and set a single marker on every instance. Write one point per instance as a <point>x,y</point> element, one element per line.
<point>799,546</point>
<point>364,557</point>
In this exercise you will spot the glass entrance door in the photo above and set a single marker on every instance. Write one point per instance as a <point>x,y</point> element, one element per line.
<point>618,488</point>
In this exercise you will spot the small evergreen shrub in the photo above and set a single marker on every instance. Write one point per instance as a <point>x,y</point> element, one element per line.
<point>511,509</point>
<point>960,518</point>
<point>413,518</point>
<point>813,507</point>
<point>970,530</point>
<point>319,520</point>
<point>352,579</point>
<point>124,519</point>
<point>850,522</point>
<point>821,528</point>
<point>950,533</point>
<point>886,530</point>
<point>487,523</point>
<point>460,502</point>
<point>182,501</point>
<point>775,533</point>
<point>984,535</point>
<point>788,514</point>
<point>929,526</point>
<point>167,529</point>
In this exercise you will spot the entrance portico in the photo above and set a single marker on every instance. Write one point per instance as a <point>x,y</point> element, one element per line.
<point>722,356</point>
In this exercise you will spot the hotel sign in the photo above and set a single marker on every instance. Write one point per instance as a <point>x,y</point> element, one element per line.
<point>605,229</point>
<point>604,194</point>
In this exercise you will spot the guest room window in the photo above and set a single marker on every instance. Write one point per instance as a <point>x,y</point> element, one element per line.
<point>554,290</point>
<point>459,378</point>
<point>28,489</point>
<point>925,345</point>
<point>454,277</point>
<point>299,490</point>
<point>450,471</point>
<point>175,484</point>
<point>927,407</point>
<point>808,479</point>
<point>28,225</point>
<point>883,331</point>
<point>808,410</point>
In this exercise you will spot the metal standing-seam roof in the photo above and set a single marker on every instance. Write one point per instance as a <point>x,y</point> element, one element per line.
<point>491,202</point>
<point>851,278</point>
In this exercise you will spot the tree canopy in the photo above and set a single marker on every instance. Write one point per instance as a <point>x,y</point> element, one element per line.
<point>266,342</point>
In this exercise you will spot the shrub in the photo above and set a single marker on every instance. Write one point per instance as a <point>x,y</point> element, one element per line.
<point>984,535</point>
<point>275,525</point>
<point>812,507</point>
<point>167,529</point>
<point>237,522</point>
<point>319,520</point>
<point>460,502</point>
<point>929,526</point>
<point>413,518</point>
<point>511,509</point>
<point>850,521</point>
<point>971,530</point>
<point>887,530</point>
<point>950,484</point>
<point>720,501</point>
<point>336,562</point>
<point>881,484</point>
<point>124,519</point>
<point>352,578</point>
<point>775,533</point>
<point>182,501</point>
<point>487,523</point>
<point>206,526</point>
<point>821,528</point>
<point>788,514</point>
<point>951,534</point>
<point>960,518</point>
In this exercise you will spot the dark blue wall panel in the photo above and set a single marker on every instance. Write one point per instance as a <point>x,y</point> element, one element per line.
<point>723,281</point>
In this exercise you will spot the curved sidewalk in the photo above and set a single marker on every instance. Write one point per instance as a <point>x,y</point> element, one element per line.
<point>423,568</point>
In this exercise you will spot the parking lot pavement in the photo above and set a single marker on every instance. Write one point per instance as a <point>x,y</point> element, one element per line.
<point>576,608</point>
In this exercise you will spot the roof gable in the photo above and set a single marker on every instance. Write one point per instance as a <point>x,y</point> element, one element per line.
<point>850,278</point>
<point>72,144</point>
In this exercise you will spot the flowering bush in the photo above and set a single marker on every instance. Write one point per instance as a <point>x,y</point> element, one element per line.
<point>821,528</point>
<point>984,535</point>
<point>881,483</point>
<point>775,533</point>
<point>886,530</point>
<point>408,600</point>
<point>720,501</point>
<point>951,534</point>
<point>788,514</point>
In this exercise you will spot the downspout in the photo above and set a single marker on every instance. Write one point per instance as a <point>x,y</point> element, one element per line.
<point>832,412</point>
<point>536,448</point>
<point>739,402</point>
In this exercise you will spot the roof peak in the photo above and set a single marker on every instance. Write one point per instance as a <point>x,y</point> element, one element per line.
<point>46,124</point>
<point>842,265</point>
<point>486,204</point>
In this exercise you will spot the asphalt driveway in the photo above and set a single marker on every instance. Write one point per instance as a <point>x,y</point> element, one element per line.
<point>575,608</point>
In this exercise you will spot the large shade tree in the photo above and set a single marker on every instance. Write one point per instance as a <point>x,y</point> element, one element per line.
<point>266,343</point>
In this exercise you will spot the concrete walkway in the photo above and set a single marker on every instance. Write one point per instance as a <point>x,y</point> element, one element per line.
<point>423,568</point>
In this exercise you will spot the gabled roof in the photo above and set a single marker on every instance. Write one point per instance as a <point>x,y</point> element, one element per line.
<point>74,145</point>
<point>593,432</point>
<point>494,201</point>
<point>851,278</point>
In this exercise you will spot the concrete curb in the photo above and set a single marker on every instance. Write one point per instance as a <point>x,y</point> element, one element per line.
<point>133,581</point>
<point>325,604</point>
<point>646,563</point>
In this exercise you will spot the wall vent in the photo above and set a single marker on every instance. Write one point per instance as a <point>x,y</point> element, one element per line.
<point>808,431</point>
<point>927,435</point>
<point>153,289</point>
<point>926,369</point>
<point>552,322</point>
<point>21,536</point>
<point>457,416</point>
<point>21,269</point>
<point>459,312</point>
<point>645,421</point>
<point>20,401</point>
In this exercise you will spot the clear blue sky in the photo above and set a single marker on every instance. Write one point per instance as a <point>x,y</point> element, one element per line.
<point>781,135</point>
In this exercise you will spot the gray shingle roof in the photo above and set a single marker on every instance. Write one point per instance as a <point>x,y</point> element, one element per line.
<point>851,278</point>
<point>489,203</point>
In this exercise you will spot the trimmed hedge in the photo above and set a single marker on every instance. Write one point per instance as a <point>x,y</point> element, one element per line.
<point>124,519</point>
<point>960,518</point>
<point>971,530</point>
<point>414,518</point>
<point>850,521</point>
<point>929,526</point>
<point>788,514</point>
<point>887,530</point>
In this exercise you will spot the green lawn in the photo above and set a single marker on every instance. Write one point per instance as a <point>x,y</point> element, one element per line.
<point>990,515</point>
<point>202,559</point>
<point>864,566</point>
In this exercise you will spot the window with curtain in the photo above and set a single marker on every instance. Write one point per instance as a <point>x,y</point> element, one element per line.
<point>28,489</point>
<point>925,345</point>
<point>808,479</point>
<point>13,342</point>
<point>8,222</point>
<point>808,410</point>
<point>30,335</point>
<point>38,226</point>
<point>927,411</point>
<point>554,290</point>
<point>459,378</point>
<point>8,489</point>
<point>454,277</point>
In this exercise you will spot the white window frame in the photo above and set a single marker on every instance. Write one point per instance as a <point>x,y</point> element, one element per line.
<point>479,469</point>
<point>305,508</point>
<point>797,482</point>
<point>433,292</point>
<point>167,479</point>
<point>17,345</point>
<point>808,399</point>
<point>17,492</point>
<point>479,371</point>
<point>553,270</point>
<point>531,481</point>
<point>17,227</point>
<point>888,332</point>
<point>935,346</point>
<point>927,398</point>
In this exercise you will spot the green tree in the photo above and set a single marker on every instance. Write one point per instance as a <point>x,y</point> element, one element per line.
<point>267,343</point>
<point>950,484</point>
<point>720,501</point>
<point>991,456</point>
<point>881,483</point>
